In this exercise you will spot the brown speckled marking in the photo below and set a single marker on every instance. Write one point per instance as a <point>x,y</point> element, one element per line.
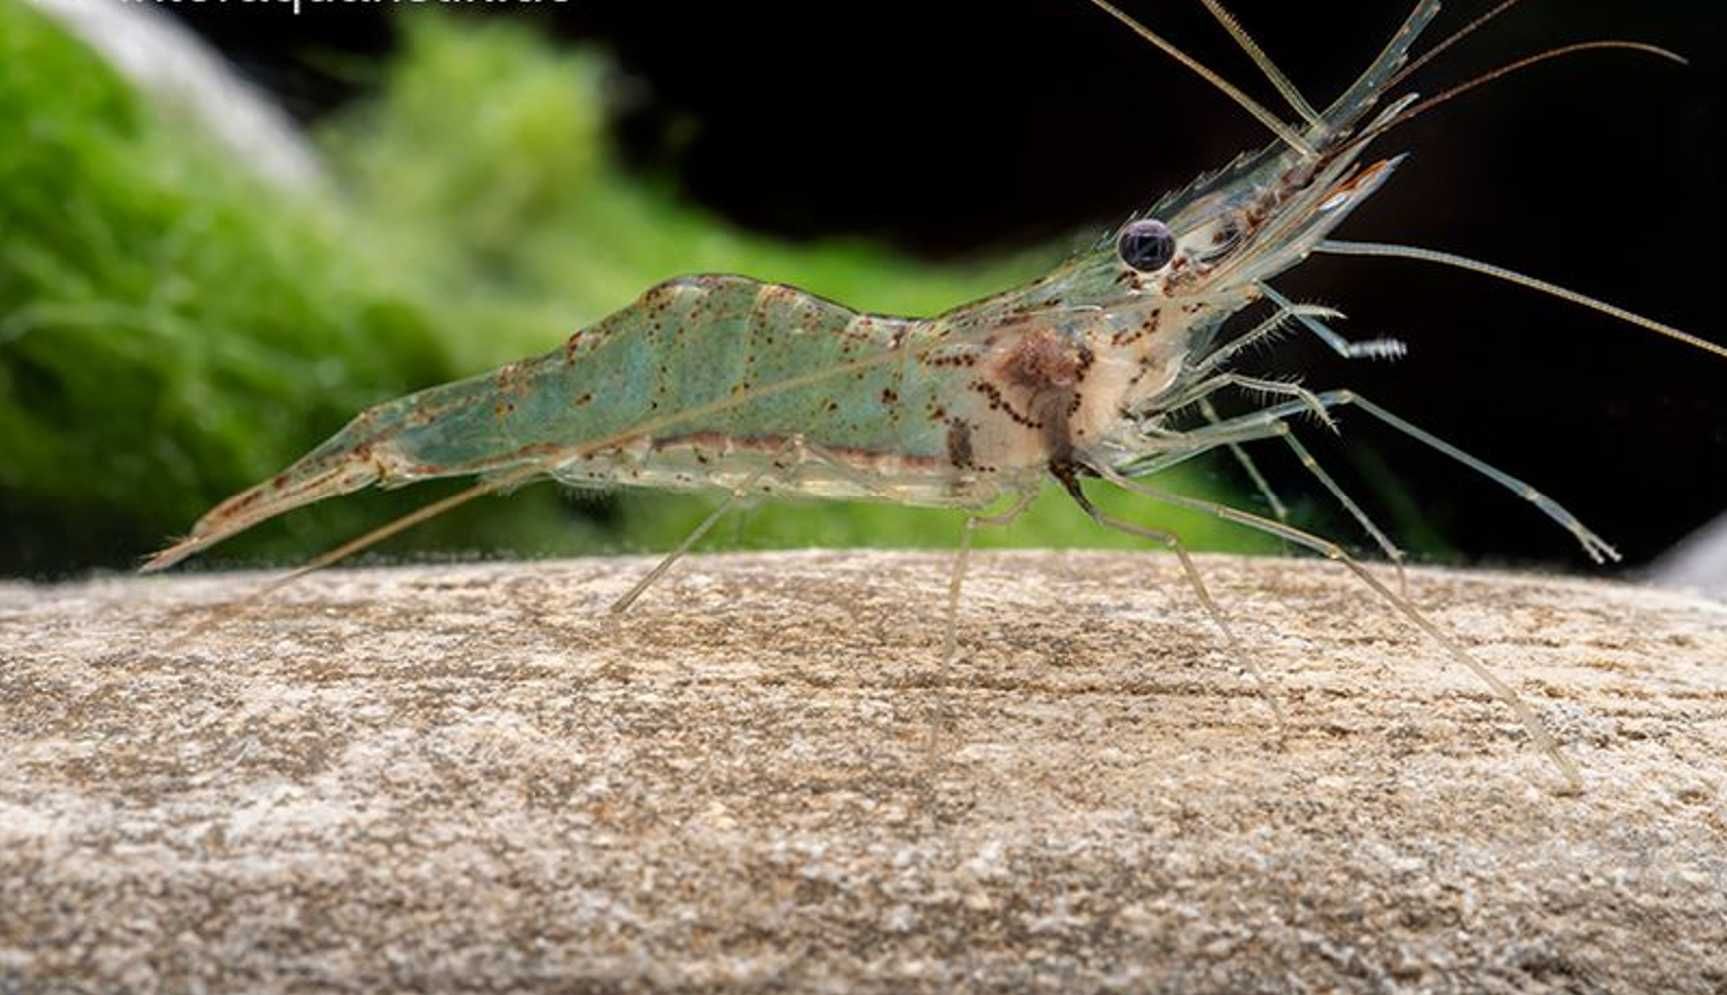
<point>512,381</point>
<point>999,403</point>
<point>951,359</point>
<point>959,444</point>
<point>1147,326</point>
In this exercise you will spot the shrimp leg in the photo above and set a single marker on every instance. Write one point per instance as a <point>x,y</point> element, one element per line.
<point>1266,329</point>
<point>1312,403</point>
<point>793,445</point>
<point>1597,548</point>
<point>1370,349</point>
<point>1331,550</point>
<point>1258,385</point>
<point>1389,548</point>
<point>1070,482</point>
<point>629,597</point>
<point>1251,428</point>
<point>1248,466</point>
<point>962,561</point>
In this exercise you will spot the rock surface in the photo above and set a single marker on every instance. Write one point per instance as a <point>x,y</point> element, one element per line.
<point>466,777</point>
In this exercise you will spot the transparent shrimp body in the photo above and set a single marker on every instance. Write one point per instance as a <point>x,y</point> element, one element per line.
<point>725,383</point>
<point>696,384</point>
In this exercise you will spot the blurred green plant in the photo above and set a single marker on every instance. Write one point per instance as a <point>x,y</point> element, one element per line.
<point>173,329</point>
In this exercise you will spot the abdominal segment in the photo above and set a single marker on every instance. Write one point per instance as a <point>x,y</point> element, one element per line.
<point>724,382</point>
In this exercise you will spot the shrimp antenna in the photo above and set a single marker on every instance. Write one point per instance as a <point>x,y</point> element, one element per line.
<point>1368,87</point>
<point>1511,276</point>
<point>1266,66</point>
<point>1460,89</point>
<point>1247,103</point>
<point>1457,36</point>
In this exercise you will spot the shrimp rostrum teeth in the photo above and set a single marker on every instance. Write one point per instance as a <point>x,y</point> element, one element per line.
<point>1104,367</point>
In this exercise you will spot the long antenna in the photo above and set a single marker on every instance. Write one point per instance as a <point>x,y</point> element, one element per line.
<point>1266,66</point>
<point>1368,87</point>
<point>1512,276</point>
<point>1460,89</point>
<point>1457,36</point>
<point>1247,103</point>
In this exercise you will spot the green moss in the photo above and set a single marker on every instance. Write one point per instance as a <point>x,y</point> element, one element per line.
<point>172,329</point>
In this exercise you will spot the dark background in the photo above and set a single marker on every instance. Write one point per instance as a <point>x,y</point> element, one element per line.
<point>953,128</point>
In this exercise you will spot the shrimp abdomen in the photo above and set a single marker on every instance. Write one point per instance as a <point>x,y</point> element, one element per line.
<point>692,365</point>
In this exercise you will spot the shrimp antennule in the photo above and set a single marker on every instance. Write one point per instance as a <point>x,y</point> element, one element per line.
<point>1455,37</point>
<point>1282,82</point>
<point>1247,103</point>
<point>1422,107</point>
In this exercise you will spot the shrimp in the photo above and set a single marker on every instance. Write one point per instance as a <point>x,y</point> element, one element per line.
<point>1105,367</point>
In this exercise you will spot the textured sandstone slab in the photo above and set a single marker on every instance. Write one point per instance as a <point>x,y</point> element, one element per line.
<point>464,777</point>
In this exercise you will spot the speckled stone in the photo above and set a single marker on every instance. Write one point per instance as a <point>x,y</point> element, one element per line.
<point>468,778</point>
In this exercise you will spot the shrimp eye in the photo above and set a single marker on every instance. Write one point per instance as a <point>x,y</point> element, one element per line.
<point>1147,245</point>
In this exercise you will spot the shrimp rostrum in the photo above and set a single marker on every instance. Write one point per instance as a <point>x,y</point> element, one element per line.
<point>1104,367</point>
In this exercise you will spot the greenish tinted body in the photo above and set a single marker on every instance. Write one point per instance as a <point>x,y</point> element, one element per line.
<point>726,383</point>
<point>686,358</point>
<point>723,382</point>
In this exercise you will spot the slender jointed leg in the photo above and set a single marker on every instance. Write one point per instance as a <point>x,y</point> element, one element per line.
<point>1597,548</point>
<point>629,598</point>
<point>1258,385</point>
<point>623,604</point>
<point>962,560</point>
<point>1331,550</point>
<point>1187,445</point>
<point>1173,542</point>
<point>1370,349</point>
<point>805,452</point>
<point>1386,546</point>
<point>1233,433</point>
<point>1264,330</point>
<point>1278,508</point>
